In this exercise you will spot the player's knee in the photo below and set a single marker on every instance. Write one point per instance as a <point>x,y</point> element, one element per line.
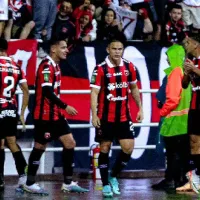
<point>105,148</point>
<point>73,144</point>
<point>40,146</point>
<point>128,149</point>
<point>70,144</point>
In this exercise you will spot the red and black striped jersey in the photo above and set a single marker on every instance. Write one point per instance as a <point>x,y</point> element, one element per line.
<point>48,74</point>
<point>195,80</point>
<point>10,76</point>
<point>113,83</point>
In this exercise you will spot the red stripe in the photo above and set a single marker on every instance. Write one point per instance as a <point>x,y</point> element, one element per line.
<point>193,101</point>
<point>124,107</point>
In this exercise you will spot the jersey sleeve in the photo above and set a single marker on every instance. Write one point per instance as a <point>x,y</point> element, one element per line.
<point>46,75</point>
<point>96,78</point>
<point>22,77</point>
<point>132,75</point>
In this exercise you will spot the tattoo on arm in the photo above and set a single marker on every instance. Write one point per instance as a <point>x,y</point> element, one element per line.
<point>94,97</point>
<point>136,95</point>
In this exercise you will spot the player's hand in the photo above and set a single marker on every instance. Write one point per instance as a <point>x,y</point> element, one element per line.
<point>140,116</point>
<point>71,110</point>
<point>96,121</point>
<point>188,66</point>
<point>87,38</point>
<point>23,123</point>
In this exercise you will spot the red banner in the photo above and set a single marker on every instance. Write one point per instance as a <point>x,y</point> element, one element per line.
<point>24,53</point>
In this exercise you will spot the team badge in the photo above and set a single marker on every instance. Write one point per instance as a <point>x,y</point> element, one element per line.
<point>126,72</point>
<point>47,135</point>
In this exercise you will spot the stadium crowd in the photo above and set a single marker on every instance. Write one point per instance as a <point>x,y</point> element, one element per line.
<point>167,21</point>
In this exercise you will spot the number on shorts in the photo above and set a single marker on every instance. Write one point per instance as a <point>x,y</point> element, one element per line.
<point>132,127</point>
<point>9,80</point>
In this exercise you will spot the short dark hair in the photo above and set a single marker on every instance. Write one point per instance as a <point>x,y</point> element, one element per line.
<point>176,6</point>
<point>3,44</point>
<point>114,40</point>
<point>56,40</point>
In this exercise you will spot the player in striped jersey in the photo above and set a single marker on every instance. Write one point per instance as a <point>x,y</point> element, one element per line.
<point>10,76</point>
<point>192,74</point>
<point>110,84</point>
<point>50,124</point>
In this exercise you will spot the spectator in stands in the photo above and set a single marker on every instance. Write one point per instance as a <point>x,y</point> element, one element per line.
<point>20,23</point>
<point>3,16</point>
<point>100,6</point>
<point>84,27</point>
<point>125,4</point>
<point>44,14</point>
<point>91,36</point>
<point>144,27</point>
<point>175,30</point>
<point>191,14</point>
<point>93,32</point>
<point>109,28</point>
<point>63,26</point>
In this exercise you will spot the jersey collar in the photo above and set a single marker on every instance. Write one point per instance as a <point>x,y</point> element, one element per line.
<point>111,65</point>
<point>51,60</point>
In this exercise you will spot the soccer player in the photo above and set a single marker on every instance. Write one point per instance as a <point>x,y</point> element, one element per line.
<point>49,122</point>
<point>110,83</point>
<point>192,75</point>
<point>10,76</point>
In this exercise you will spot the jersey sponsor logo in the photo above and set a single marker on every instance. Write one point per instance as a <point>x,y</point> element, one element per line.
<point>108,75</point>
<point>117,74</point>
<point>111,97</point>
<point>7,113</point>
<point>113,86</point>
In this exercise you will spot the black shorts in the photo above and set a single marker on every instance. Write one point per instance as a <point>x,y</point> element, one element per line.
<point>194,122</point>
<point>46,131</point>
<point>112,130</point>
<point>8,122</point>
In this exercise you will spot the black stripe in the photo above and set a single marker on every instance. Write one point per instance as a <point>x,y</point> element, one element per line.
<point>41,109</point>
<point>118,105</point>
<point>127,65</point>
<point>52,105</point>
<point>41,106</point>
<point>197,106</point>
<point>106,92</point>
<point>1,74</point>
<point>58,89</point>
